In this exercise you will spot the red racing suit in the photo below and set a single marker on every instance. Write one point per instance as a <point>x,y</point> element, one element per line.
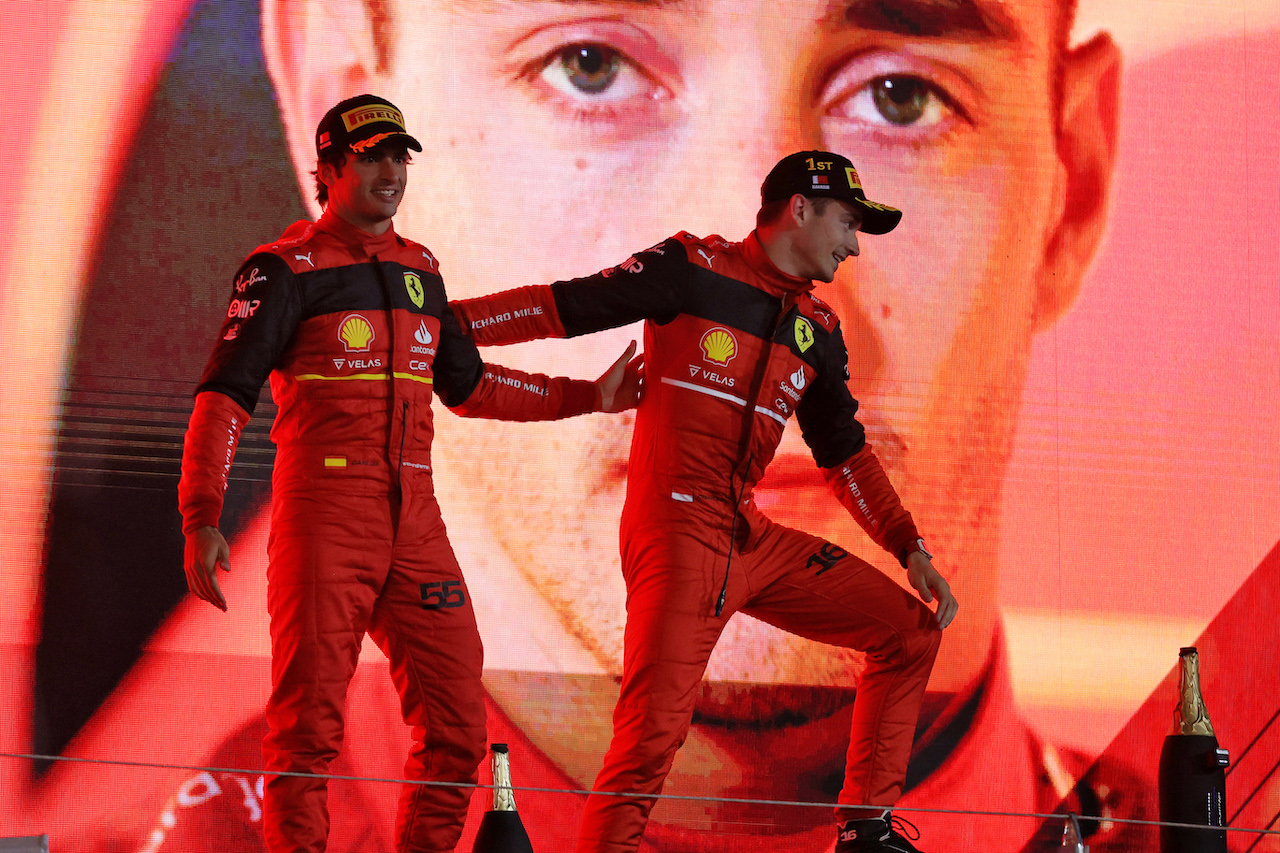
<point>733,348</point>
<point>356,336</point>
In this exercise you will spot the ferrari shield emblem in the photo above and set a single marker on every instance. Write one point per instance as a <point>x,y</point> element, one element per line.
<point>413,284</point>
<point>804,334</point>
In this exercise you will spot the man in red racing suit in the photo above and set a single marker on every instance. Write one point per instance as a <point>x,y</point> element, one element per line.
<point>351,322</point>
<point>734,345</point>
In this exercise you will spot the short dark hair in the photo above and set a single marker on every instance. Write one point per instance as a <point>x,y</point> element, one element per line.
<point>771,210</point>
<point>336,159</point>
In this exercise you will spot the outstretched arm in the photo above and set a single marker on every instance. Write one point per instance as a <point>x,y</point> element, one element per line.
<point>504,393</point>
<point>649,285</point>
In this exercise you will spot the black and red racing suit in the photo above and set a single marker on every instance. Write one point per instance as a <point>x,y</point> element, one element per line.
<point>733,348</point>
<point>355,334</point>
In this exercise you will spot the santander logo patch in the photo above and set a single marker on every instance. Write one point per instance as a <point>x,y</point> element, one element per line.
<point>423,335</point>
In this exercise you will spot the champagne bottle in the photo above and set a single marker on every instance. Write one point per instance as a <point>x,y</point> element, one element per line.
<point>1192,778</point>
<point>1072,839</point>
<point>501,830</point>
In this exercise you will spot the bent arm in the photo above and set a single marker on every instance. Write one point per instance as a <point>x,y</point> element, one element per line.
<point>862,487</point>
<point>827,415</point>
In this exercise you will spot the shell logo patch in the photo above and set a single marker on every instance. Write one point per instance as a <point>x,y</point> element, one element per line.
<point>356,333</point>
<point>804,334</point>
<point>719,345</point>
<point>413,284</point>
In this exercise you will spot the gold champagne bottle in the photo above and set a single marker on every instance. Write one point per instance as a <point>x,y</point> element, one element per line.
<point>501,830</point>
<point>1192,778</point>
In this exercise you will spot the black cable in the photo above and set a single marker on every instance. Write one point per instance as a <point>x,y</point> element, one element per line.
<point>733,534</point>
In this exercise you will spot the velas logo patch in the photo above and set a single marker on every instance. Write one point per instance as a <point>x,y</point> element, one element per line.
<point>360,116</point>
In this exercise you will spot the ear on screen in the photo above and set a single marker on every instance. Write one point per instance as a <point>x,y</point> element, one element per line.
<point>1087,134</point>
<point>317,53</point>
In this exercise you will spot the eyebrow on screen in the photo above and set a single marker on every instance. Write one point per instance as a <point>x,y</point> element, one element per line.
<point>491,5</point>
<point>959,19</point>
<point>971,19</point>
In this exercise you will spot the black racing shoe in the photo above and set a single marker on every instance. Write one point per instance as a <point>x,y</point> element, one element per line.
<point>888,833</point>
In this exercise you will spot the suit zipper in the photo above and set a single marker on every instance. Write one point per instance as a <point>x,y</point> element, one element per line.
<point>744,446</point>
<point>404,427</point>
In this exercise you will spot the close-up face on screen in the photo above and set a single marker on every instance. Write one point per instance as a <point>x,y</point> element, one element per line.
<point>1065,358</point>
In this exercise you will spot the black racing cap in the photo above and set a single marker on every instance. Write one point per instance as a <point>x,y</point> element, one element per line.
<point>360,123</point>
<point>822,174</point>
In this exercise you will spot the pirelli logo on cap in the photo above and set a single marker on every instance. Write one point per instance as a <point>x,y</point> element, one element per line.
<point>852,174</point>
<point>360,116</point>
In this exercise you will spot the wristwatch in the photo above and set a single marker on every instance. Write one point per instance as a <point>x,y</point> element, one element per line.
<point>909,551</point>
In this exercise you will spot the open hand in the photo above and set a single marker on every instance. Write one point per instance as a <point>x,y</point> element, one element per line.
<point>205,552</point>
<point>622,384</point>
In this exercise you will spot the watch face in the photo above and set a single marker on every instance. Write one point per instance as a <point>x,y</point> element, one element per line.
<point>923,550</point>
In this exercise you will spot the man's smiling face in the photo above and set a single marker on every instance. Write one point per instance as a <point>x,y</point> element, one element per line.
<point>827,236</point>
<point>367,189</point>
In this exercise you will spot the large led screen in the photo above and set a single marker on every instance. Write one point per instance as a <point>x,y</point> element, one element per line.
<point>1067,358</point>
